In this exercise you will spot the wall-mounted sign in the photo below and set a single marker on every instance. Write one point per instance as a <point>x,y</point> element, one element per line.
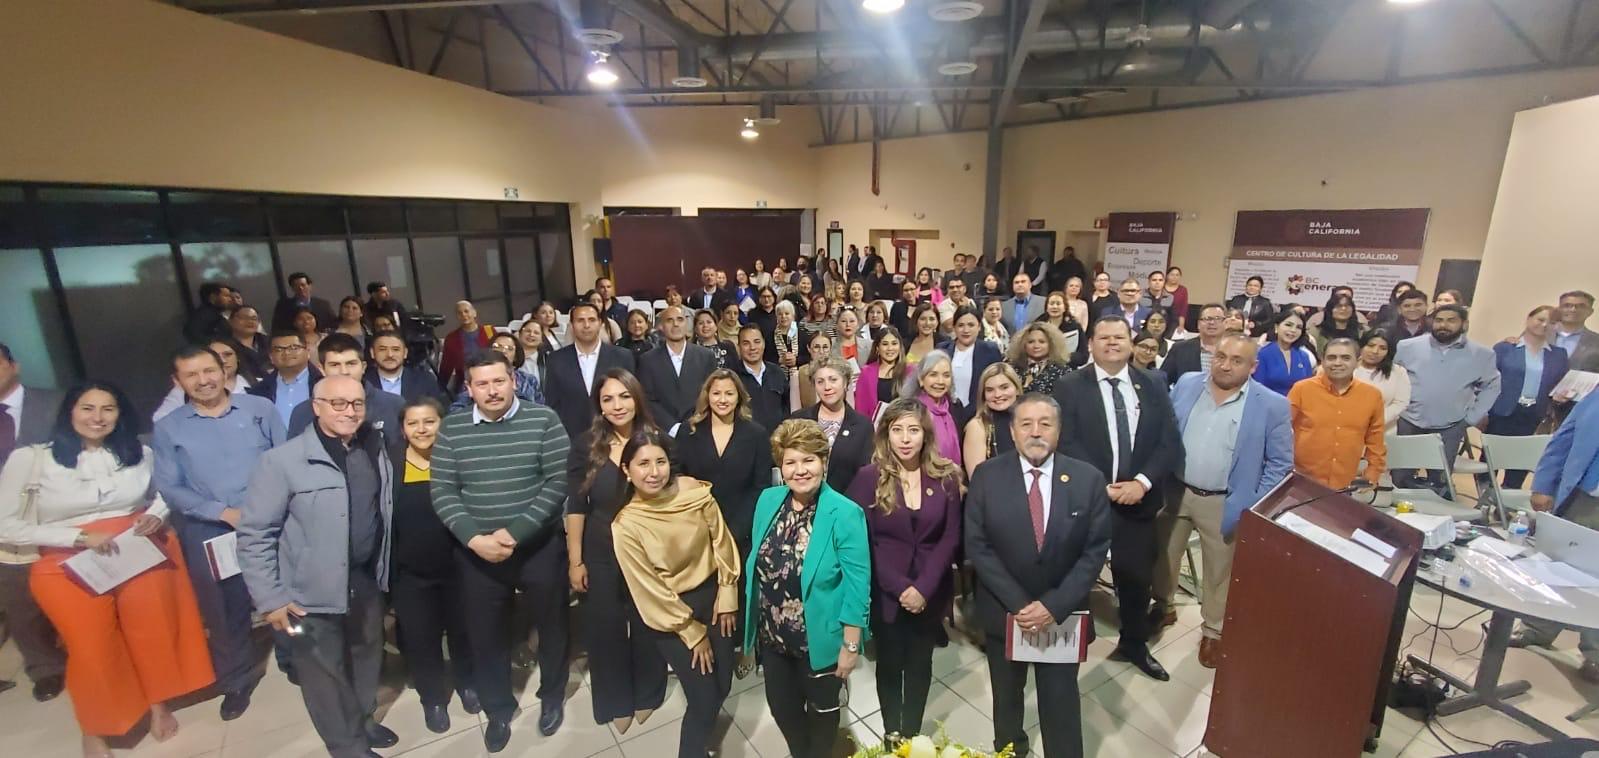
<point>1303,254</point>
<point>1101,222</point>
<point>1137,244</point>
<point>511,193</point>
<point>1035,223</point>
<point>832,225</point>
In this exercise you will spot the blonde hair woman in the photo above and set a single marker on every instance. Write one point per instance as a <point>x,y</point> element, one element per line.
<point>1039,356</point>
<point>988,433</point>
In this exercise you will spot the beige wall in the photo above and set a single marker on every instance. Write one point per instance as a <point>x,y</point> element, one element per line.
<point>1541,238</point>
<point>1437,146</point>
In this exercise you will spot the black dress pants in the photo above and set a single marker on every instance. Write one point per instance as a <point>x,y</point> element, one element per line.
<point>1059,709</point>
<point>430,614</point>
<point>705,692</point>
<point>905,667</point>
<point>338,659</point>
<point>805,704</point>
<point>538,568</point>
<point>225,609</point>
<point>626,669</point>
<point>1132,567</point>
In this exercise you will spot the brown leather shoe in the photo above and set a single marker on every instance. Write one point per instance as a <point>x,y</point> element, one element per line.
<point>1161,619</point>
<point>1589,672</point>
<point>1210,649</point>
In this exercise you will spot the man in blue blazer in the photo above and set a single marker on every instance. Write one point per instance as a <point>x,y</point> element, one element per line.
<point>1564,483</point>
<point>1238,443</point>
<point>1127,305</point>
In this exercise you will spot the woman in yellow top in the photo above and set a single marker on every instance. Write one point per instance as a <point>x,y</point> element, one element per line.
<point>682,567</point>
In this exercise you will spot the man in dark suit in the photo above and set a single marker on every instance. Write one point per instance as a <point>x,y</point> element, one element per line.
<point>283,314</point>
<point>1126,307</point>
<point>614,310</point>
<point>574,369</point>
<point>1257,309</point>
<point>1122,423</point>
<point>341,356</point>
<point>766,383</point>
<point>210,320</point>
<point>27,416</point>
<point>1037,528</point>
<point>1190,356</point>
<point>861,266</point>
<point>708,296</point>
<point>292,375</point>
<point>1065,268</point>
<point>388,370</point>
<point>674,372</point>
<point>380,303</point>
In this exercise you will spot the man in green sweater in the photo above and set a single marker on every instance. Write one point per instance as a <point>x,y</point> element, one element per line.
<point>499,482</point>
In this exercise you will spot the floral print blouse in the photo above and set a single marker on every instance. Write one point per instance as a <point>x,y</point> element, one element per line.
<point>781,623</point>
<point>1040,376</point>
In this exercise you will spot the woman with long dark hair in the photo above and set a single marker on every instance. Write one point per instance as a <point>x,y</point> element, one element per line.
<point>136,646</point>
<point>682,567</point>
<point>924,337</point>
<point>1338,319</point>
<point>1287,357</point>
<point>627,674</point>
<point>882,376</point>
<point>912,495</point>
<point>1058,313</point>
<point>706,334</point>
<point>535,349</point>
<point>1389,311</point>
<point>1375,366</point>
<point>352,320</point>
<point>636,335</point>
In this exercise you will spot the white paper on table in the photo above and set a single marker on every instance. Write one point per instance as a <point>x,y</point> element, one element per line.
<point>1498,546</point>
<point>1342,547</point>
<point>1367,539</point>
<point>222,553</point>
<point>1576,384</point>
<point>102,573</point>
<point>1060,643</point>
<point>1557,574</point>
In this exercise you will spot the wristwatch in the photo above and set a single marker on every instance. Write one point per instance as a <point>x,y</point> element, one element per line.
<point>853,647</point>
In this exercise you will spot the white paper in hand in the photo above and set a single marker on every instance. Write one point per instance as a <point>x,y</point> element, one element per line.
<point>222,553</point>
<point>103,573</point>
<point>1059,643</point>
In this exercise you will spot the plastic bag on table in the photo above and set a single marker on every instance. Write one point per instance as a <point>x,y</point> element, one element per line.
<point>1504,573</point>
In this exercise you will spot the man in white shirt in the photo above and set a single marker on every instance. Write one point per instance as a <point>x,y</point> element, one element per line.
<point>955,299</point>
<point>674,372</point>
<point>573,368</point>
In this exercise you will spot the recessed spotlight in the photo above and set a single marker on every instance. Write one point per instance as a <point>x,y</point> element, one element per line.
<point>882,6</point>
<point>959,10</point>
<point>749,131</point>
<point>689,82</point>
<point>600,73</point>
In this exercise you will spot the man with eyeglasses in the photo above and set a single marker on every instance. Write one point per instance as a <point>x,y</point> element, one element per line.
<point>1127,304</point>
<point>203,454</point>
<point>292,376</point>
<point>341,356</point>
<point>1193,355</point>
<point>314,547</point>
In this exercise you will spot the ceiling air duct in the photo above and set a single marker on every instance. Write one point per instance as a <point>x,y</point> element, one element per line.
<point>688,68</point>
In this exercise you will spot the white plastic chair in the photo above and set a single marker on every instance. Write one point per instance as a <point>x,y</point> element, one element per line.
<point>659,305</point>
<point>1425,451</point>
<point>1506,453</point>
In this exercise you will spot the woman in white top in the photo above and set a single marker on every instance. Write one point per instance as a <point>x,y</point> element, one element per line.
<point>994,324</point>
<point>1075,302</point>
<point>140,643</point>
<point>227,352</point>
<point>761,278</point>
<point>1377,368</point>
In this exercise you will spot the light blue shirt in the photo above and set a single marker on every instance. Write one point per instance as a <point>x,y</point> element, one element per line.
<point>1210,438</point>
<point>391,386</point>
<point>291,394</point>
<point>1448,383</point>
<point>203,463</point>
<point>1019,313</point>
<point>1534,376</point>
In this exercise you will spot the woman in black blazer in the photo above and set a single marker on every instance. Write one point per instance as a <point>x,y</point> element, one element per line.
<point>849,432</point>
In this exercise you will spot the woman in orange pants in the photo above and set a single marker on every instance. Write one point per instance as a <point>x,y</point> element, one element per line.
<point>140,643</point>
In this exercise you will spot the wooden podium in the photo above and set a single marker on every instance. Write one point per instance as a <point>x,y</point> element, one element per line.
<point>1310,639</point>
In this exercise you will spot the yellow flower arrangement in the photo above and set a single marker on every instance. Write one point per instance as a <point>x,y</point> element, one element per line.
<point>937,746</point>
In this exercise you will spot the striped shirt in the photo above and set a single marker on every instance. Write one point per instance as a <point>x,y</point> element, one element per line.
<point>510,473</point>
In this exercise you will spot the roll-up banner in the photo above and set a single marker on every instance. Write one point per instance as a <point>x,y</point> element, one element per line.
<point>1302,255</point>
<point>1138,243</point>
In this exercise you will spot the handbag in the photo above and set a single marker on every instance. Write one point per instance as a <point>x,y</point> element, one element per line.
<point>29,514</point>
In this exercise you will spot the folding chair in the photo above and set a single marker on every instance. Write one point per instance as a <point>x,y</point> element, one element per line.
<point>1425,451</point>
<point>1511,453</point>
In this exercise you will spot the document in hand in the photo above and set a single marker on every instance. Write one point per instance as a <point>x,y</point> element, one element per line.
<point>222,553</point>
<point>1059,643</point>
<point>103,573</point>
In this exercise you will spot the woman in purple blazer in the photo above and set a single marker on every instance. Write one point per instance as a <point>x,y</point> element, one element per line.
<point>912,497</point>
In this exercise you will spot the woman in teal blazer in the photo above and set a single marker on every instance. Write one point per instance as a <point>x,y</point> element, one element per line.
<point>807,591</point>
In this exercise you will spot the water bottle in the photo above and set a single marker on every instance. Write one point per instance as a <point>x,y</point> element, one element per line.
<point>1519,528</point>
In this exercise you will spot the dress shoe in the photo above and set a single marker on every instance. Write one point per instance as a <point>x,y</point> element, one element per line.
<point>1209,649</point>
<point>47,688</point>
<point>1589,672</point>
<point>1525,637</point>
<point>234,704</point>
<point>378,735</point>
<point>1161,618</point>
<point>437,718</point>
<point>469,701</point>
<point>1143,661</point>
<point>551,714</point>
<point>496,735</point>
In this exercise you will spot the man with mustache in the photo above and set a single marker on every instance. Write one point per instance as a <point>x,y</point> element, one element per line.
<point>1037,529</point>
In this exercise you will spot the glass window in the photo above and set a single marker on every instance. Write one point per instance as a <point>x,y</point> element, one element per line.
<point>101,216</point>
<point>429,216</point>
<point>30,321</point>
<point>522,268</point>
<point>478,217</point>
<point>377,217</point>
<point>119,297</point>
<point>15,228</point>
<point>555,258</point>
<point>387,261</point>
<point>216,215</point>
<point>516,216</point>
<point>307,216</point>
<point>485,281</point>
<point>438,269</point>
<point>246,265</point>
<point>327,262</point>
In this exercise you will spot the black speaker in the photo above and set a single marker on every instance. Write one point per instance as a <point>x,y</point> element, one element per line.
<point>602,251</point>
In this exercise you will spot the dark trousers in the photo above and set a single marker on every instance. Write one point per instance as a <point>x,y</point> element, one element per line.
<point>42,654</point>
<point>705,692</point>
<point>338,659</point>
<point>1522,421</point>
<point>430,615</point>
<point>1454,436</point>
<point>538,568</point>
<point>1132,567</point>
<point>626,670</point>
<point>1059,710</point>
<point>905,667</point>
<point>224,607</point>
<point>804,703</point>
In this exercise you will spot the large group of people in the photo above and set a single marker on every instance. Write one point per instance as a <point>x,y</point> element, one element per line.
<point>769,471</point>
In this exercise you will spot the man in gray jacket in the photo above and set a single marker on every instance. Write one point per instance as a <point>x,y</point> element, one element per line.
<point>314,547</point>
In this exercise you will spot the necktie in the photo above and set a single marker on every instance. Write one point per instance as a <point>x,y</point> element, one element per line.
<point>8,433</point>
<point>1124,435</point>
<point>1035,507</point>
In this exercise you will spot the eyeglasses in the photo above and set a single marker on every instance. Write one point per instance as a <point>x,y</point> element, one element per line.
<point>341,405</point>
<point>1131,292</point>
<point>1212,319</point>
<point>287,348</point>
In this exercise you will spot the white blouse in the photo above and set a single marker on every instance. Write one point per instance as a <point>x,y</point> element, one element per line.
<point>69,497</point>
<point>1395,392</point>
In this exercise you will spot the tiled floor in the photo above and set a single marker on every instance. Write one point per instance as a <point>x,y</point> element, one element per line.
<point>1123,712</point>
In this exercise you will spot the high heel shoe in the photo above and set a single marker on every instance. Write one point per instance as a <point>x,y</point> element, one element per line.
<point>643,715</point>
<point>622,724</point>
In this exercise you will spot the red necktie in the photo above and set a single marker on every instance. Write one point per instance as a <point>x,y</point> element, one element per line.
<point>8,433</point>
<point>1035,507</point>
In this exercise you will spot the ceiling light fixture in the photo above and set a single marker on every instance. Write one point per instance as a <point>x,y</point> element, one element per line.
<point>1406,2</point>
<point>600,73</point>
<point>749,131</point>
<point>882,6</point>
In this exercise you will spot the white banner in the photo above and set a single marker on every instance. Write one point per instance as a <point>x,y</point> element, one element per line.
<point>1135,260</point>
<point>1312,283</point>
